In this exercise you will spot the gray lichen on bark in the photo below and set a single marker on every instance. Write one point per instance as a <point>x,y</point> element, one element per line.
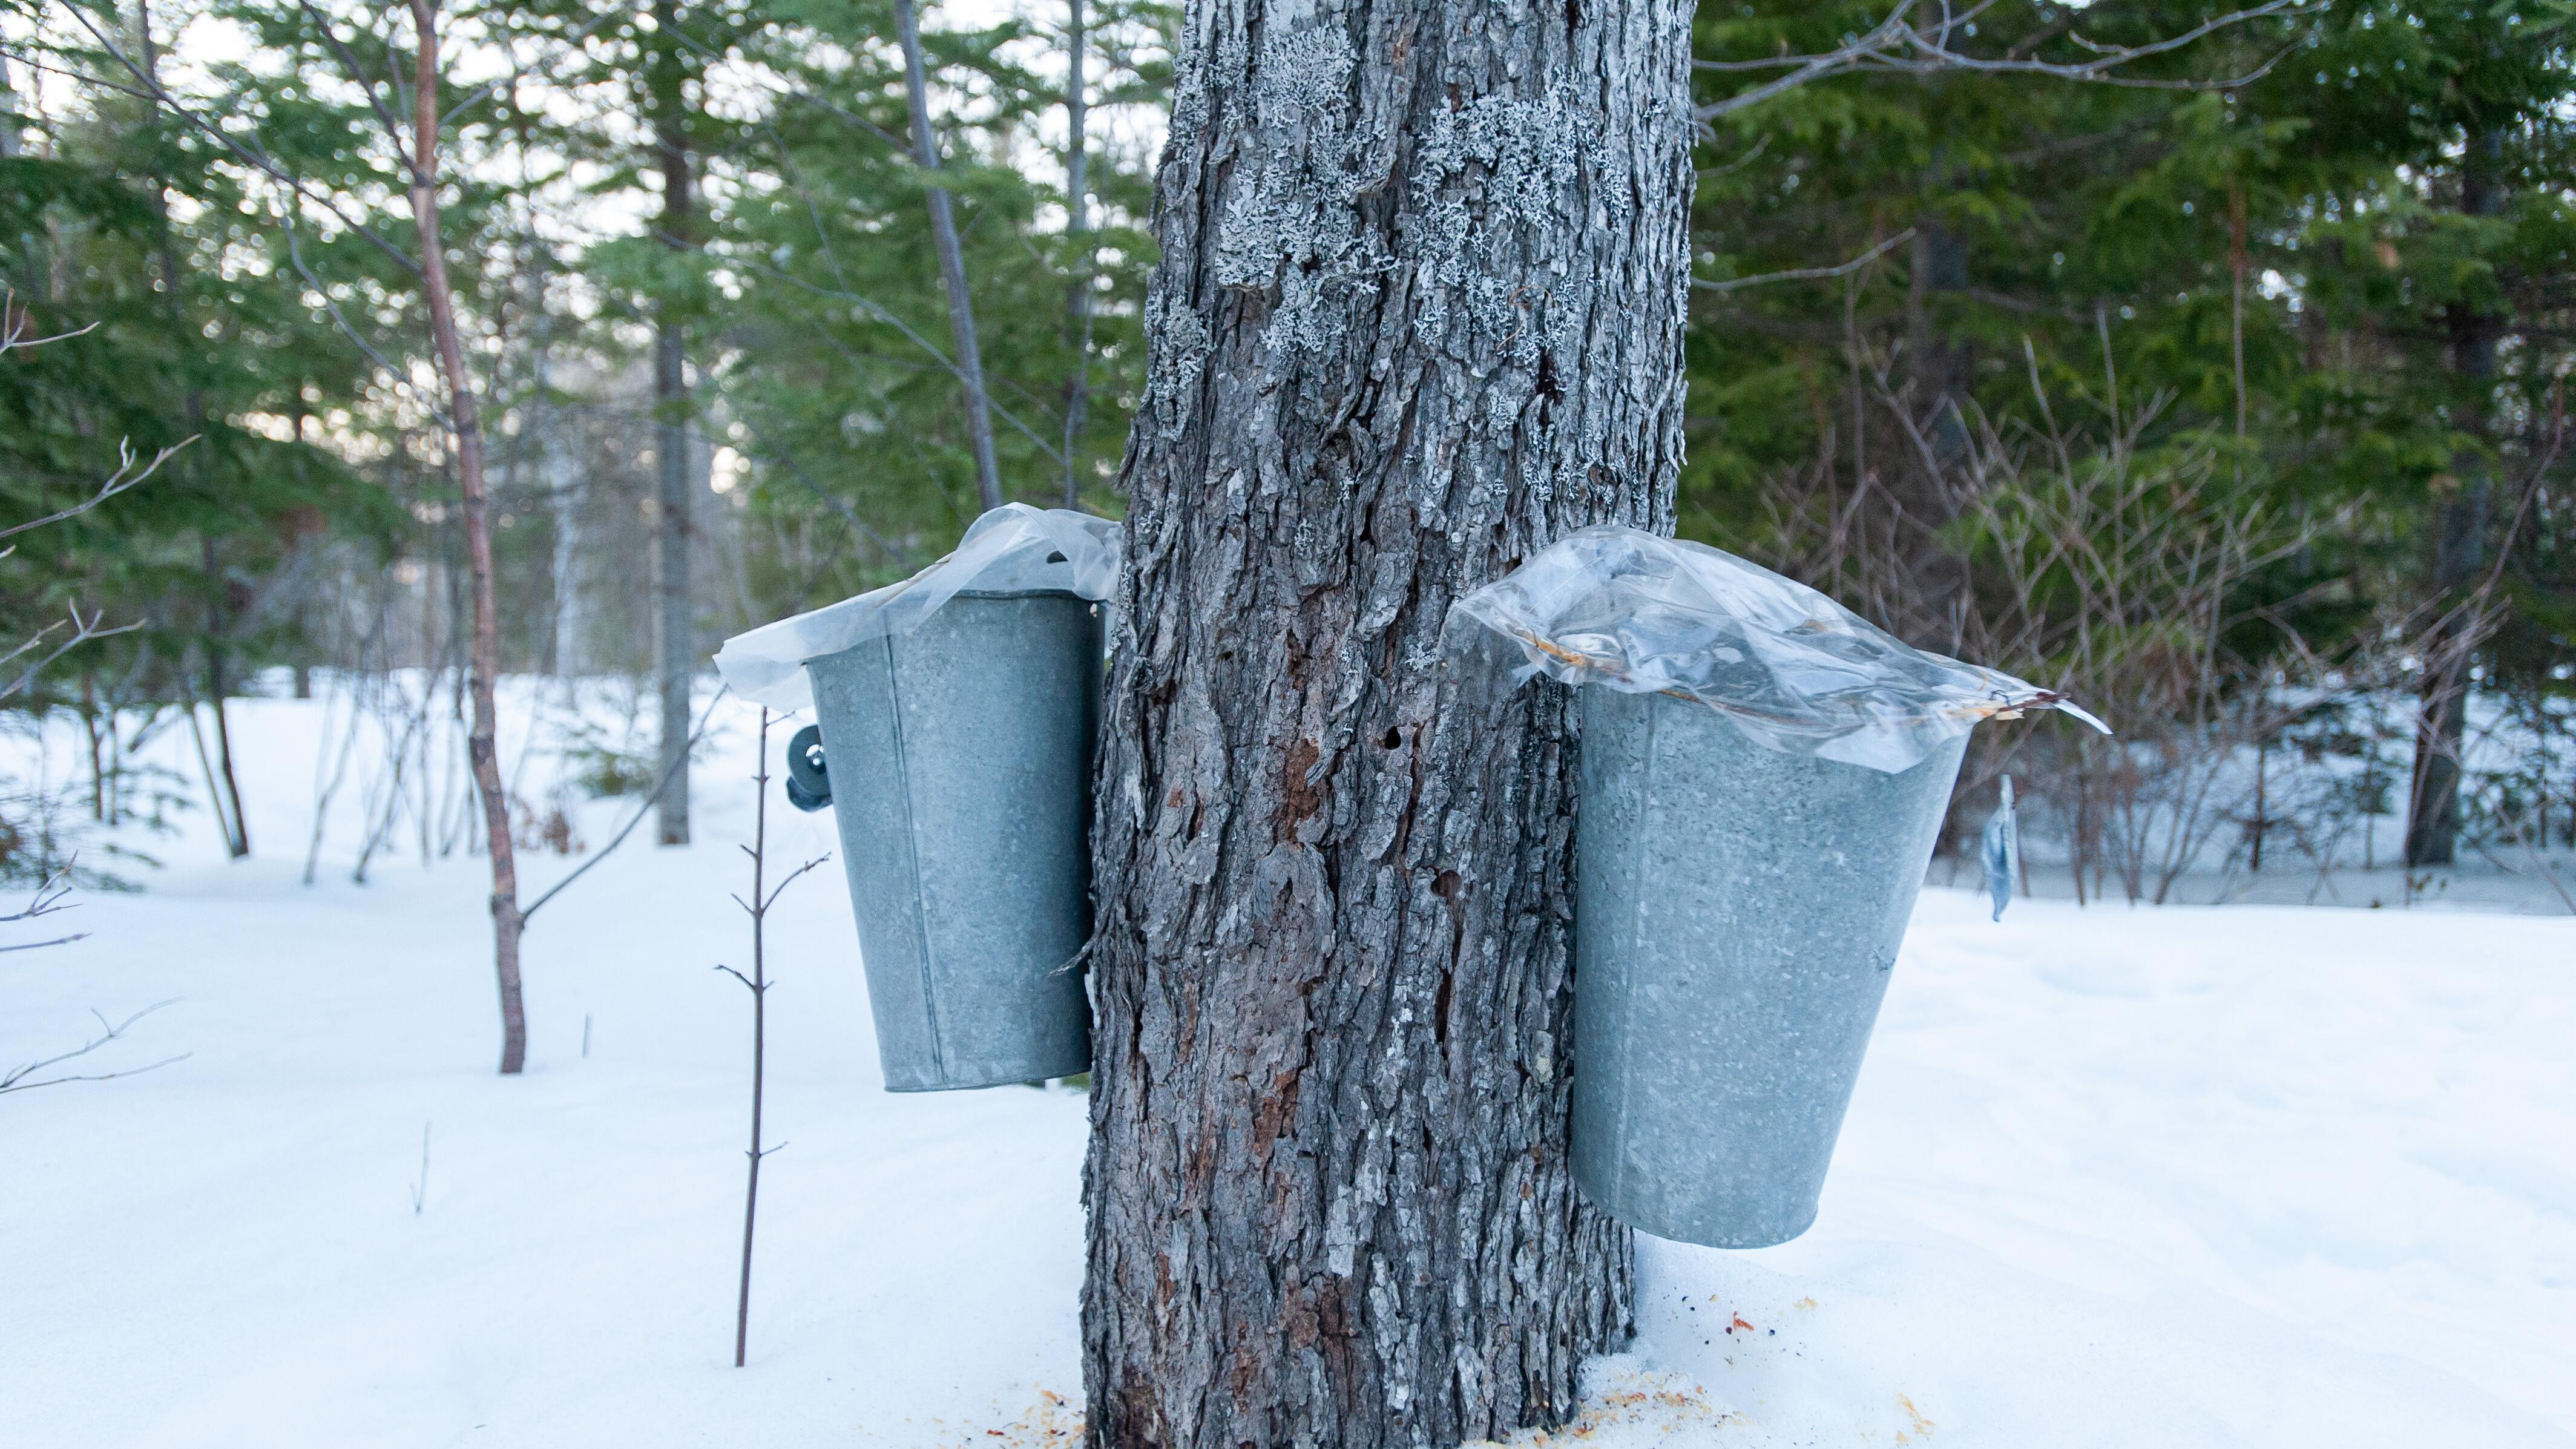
<point>1418,313</point>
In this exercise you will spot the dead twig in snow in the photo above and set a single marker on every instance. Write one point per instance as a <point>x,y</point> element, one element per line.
<point>15,1079</point>
<point>420,1189</point>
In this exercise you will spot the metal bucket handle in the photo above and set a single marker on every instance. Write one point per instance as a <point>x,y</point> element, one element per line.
<point>809,780</point>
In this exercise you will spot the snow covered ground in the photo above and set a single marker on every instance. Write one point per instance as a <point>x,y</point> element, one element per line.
<point>2253,1176</point>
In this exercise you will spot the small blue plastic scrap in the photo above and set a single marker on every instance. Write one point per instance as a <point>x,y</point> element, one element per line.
<point>2000,850</point>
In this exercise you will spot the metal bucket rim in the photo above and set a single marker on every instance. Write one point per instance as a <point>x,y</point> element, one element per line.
<point>969,594</point>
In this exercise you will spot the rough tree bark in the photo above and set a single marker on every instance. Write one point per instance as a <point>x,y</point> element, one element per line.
<point>1418,313</point>
<point>675,617</point>
<point>2458,551</point>
<point>481,738</point>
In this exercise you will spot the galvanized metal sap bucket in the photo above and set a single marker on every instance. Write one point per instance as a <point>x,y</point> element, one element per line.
<point>959,763</point>
<point>1738,911</point>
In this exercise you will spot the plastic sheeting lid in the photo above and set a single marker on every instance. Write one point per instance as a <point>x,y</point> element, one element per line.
<point>1794,670</point>
<point>1013,549</point>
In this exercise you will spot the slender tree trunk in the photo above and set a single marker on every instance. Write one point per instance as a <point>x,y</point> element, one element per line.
<point>676,643</point>
<point>762,897</point>
<point>237,836</point>
<point>2458,552</point>
<point>759,984</point>
<point>564,496</point>
<point>237,833</point>
<point>1077,202</point>
<point>1418,313</point>
<point>97,763</point>
<point>2262,771</point>
<point>481,741</point>
<point>223,781</point>
<point>1938,374</point>
<point>2239,261</point>
<point>952,263</point>
<point>206,767</point>
<point>1936,359</point>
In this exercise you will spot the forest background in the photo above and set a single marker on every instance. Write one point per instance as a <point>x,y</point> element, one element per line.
<point>2224,394</point>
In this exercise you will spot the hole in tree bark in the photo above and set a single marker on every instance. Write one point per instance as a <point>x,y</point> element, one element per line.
<point>1394,738</point>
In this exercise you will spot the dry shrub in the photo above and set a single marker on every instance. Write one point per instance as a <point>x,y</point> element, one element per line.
<point>2092,547</point>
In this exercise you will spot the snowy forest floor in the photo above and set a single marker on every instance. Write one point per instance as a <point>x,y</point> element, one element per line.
<point>2190,1176</point>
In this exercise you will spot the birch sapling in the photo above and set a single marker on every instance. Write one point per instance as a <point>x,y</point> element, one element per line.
<point>466,427</point>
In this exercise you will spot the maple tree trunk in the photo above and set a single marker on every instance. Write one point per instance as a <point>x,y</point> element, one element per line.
<point>1418,313</point>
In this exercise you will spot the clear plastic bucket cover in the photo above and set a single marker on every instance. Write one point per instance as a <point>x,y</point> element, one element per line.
<point>1012,549</point>
<point>1627,610</point>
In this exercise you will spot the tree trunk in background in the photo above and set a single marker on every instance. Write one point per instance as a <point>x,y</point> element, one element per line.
<point>236,825</point>
<point>2459,550</point>
<point>1936,359</point>
<point>222,785</point>
<point>1927,488</point>
<point>562,475</point>
<point>952,263</point>
<point>1938,379</point>
<point>482,740</point>
<point>1418,313</point>
<point>1077,225</point>
<point>675,616</point>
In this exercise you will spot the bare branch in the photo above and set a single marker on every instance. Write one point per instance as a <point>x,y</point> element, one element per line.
<point>251,153</point>
<point>13,325</point>
<point>1896,46</point>
<point>126,476</point>
<point>646,808</point>
<point>941,358</point>
<point>1808,274</point>
<point>790,880</point>
<point>483,92</point>
<point>41,945</point>
<point>358,77</point>
<point>295,255</point>
<point>78,77</point>
<point>83,631</point>
<point>49,894</point>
